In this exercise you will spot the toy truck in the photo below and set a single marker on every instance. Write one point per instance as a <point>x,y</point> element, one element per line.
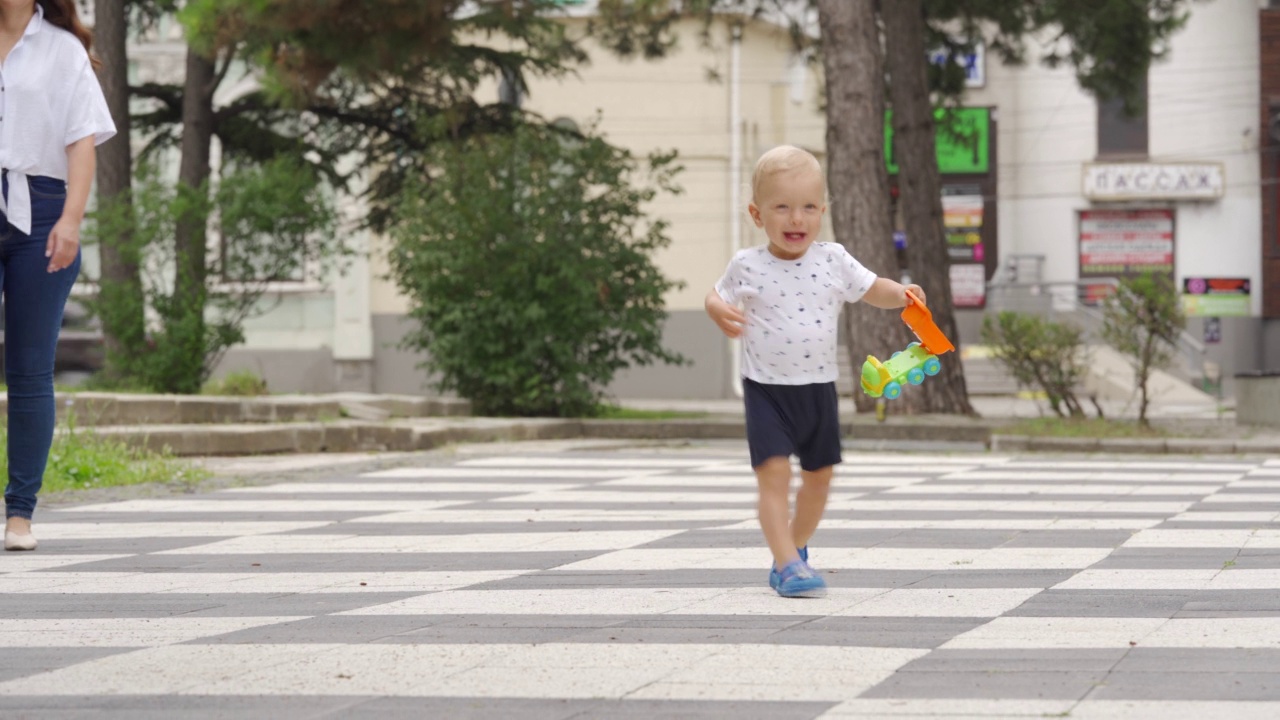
<point>908,366</point>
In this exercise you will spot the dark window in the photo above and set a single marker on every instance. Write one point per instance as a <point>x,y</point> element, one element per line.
<point>1121,134</point>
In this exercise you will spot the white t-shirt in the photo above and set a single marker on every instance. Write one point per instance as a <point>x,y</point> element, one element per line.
<point>792,309</point>
<point>49,99</point>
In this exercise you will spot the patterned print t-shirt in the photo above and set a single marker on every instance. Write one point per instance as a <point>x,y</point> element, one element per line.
<point>792,308</point>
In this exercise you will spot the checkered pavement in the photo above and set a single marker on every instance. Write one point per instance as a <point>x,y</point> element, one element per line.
<point>633,583</point>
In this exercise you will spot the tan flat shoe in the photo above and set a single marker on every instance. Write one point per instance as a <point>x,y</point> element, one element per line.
<point>14,541</point>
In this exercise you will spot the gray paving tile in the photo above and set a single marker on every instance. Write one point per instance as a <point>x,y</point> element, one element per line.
<point>369,529</point>
<point>900,632</point>
<point>1175,685</point>
<point>688,577</point>
<point>752,538</point>
<point>1076,660</point>
<point>351,629</point>
<point>540,709</point>
<point>335,562</point>
<point>1201,660</point>
<point>1103,603</point>
<point>118,546</point>
<point>1192,558</point>
<point>1014,685</point>
<point>1069,538</point>
<point>167,707</point>
<point>23,661</point>
<point>17,606</point>
<point>991,579</point>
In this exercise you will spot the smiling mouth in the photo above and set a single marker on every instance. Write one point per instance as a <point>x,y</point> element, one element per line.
<point>794,237</point>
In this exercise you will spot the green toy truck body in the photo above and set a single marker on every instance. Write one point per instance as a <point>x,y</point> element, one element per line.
<point>907,367</point>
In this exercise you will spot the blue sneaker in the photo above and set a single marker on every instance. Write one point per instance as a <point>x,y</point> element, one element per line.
<point>774,578</point>
<point>798,580</point>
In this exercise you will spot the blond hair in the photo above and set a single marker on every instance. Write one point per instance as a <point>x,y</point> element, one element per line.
<point>779,160</point>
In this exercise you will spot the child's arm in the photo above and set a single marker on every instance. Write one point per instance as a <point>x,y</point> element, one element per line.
<point>729,318</point>
<point>887,294</point>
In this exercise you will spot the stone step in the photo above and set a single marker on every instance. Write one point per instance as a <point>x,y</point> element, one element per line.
<point>100,409</point>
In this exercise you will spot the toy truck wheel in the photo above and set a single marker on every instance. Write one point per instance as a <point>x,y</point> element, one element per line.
<point>913,344</point>
<point>892,390</point>
<point>915,376</point>
<point>932,366</point>
<point>895,354</point>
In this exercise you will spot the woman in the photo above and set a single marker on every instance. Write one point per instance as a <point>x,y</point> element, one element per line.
<point>52,116</point>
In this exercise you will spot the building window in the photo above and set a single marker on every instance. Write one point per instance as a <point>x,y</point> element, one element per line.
<point>1121,135</point>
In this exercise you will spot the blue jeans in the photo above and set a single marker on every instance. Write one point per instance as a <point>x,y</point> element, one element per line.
<point>33,301</point>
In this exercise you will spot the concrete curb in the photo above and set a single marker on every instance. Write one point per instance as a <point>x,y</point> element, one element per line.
<point>1150,446</point>
<point>408,436</point>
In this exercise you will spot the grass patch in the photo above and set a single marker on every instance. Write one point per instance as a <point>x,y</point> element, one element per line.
<point>1082,427</point>
<point>242,383</point>
<point>82,459</point>
<point>615,412</point>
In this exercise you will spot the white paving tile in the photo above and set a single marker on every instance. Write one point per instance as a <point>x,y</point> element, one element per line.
<point>941,602</point>
<point>441,543</point>
<point>950,708</point>
<point>850,558</point>
<point>606,497</point>
<point>122,632</point>
<point>456,472</point>
<point>1134,579</point>
<point>12,562</point>
<point>557,601</point>
<point>365,487</point>
<point>92,583</point>
<point>1174,710</point>
<point>1215,517</point>
<point>525,461</point>
<point>1190,538</point>
<point>1053,489</point>
<point>584,515</point>
<point>257,507</point>
<point>1234,632</point>
<point>58,530</point>
<point>1056,632</point>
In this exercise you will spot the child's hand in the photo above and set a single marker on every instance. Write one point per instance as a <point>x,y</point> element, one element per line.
<point>729,318</point>
<point>914,290</point>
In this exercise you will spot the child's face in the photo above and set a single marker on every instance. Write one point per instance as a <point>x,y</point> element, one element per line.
<point>789,206</point>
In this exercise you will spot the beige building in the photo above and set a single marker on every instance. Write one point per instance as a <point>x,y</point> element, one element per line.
<point>344,334</point>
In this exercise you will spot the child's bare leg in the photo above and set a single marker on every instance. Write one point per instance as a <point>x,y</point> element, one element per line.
<point>811,500</point>
<point>774,478</point>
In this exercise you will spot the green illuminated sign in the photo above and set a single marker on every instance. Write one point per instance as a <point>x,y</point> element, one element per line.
<point>963,139</point>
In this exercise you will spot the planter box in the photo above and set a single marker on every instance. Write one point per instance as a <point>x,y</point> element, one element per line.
<point>1258,398</point>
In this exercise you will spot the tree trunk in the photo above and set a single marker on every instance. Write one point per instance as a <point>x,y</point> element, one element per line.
<point>920,192</point>
<point>857,178</point>
<point>187,327</point>
<point>120,287</point>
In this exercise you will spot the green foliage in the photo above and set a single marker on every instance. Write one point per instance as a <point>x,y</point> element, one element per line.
<point>1081,427</point>
<point>1143,320</point>
<point>273,219</point>
<point>1110,43</point>
<point>242,383</point>
<point>529,264</point>
<point>81,459</point>
<point>1039,354</point>
<point>371,79</point>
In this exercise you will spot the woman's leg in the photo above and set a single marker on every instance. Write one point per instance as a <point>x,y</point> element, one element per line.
<point>34,300</point>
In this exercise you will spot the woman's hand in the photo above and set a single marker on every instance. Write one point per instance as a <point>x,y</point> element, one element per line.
<point>64,243</point>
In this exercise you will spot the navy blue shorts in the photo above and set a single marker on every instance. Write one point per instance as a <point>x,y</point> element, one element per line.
<point>786,420</point>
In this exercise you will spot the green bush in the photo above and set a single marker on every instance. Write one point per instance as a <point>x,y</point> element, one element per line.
<point>242,383</point>
<point>1040,354</point>
<point>528,262</point>
<point>1143,319</point>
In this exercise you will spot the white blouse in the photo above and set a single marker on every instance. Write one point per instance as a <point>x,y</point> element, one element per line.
<point>49,99</point>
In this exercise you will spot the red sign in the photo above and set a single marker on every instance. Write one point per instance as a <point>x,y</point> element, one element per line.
<point>1125,242</point>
